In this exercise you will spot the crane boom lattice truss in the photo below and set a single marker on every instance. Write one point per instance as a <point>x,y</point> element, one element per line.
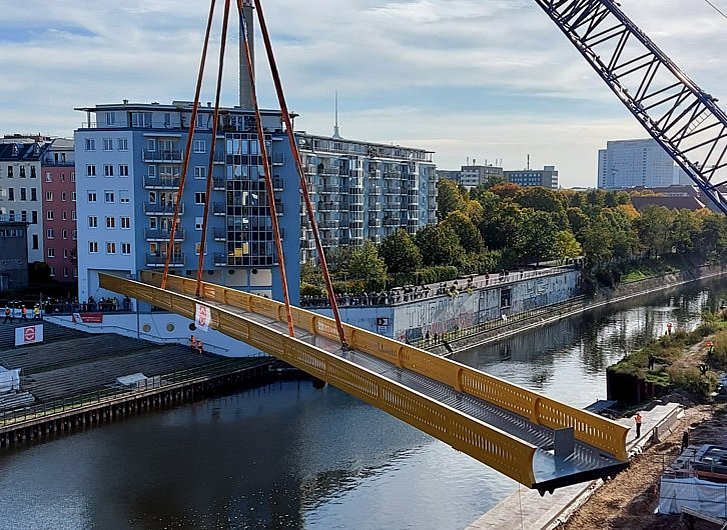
<point>679,115</point>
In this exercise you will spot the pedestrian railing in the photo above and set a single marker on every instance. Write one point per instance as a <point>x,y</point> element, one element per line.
<point>114,393</point>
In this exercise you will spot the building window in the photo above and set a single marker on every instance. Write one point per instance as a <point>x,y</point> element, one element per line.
<point>23,195</point>
<point>92,221</point>
<point>125,222</point>
<point>126,248</point>
<point>49,215</point>
<point>63,196</point>
<point>200,172</point>
<point>73,196</point>
<point>93,247</point>
<point>35,241</point>
<point>65,236</point>
<point>151,144</point>
<point>123,144</point>
<point>108,144</point>
<point>10,172</point>
<point>200,146</point>
<point>109,196</point>
<point>90,144</point>
<point>110,222</point>
<point>33,194</point>
<point>50,234</point>
<point>123,170</point>
<point>65,253</point>
<point>64,215</point>
<point>75,272</point>
<point>48,195</point>
<point>51,252</point>
<point>124,196</point>
<point>52,270</point>
<point>110,119</point>
<point>108,170</point>
<point>151,171</point>
<point>65,272</point>
<point>32,172</point>
<point>73,176</point>
<point>48,176</point>
<point>74,234</point>
<point>110,247</point>
<point>91,196</point>
<point>199,197</point>
<point>22,172</point>
<point>11,194</point>
<point>34,217</point>
<point>90,170</point>
<point>198,223</point>
<point>197,246</point>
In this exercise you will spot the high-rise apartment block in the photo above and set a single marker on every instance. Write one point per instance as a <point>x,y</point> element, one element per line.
<point>365,191</point>
<point>633,163</point>
<point>58,190</point>
<point>128,166</point>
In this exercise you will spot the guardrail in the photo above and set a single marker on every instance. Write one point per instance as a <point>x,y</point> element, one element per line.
<point>509,455</point>
<point>589,428</point>
<point>72,403</point>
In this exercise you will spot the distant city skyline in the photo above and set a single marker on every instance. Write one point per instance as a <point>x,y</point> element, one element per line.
<point>480,79</point>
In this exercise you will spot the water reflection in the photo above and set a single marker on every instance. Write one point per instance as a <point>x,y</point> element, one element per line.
<point>287,456</point>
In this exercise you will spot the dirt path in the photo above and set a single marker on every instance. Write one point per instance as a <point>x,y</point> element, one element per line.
<point>628,501</point>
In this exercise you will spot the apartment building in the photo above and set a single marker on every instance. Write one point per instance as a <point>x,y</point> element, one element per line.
<point>546,177</point>
<point>20,187</point>
<point>129,159</point>
<point>364,191</point>
<point>634,163</point>
<point>58,212</point>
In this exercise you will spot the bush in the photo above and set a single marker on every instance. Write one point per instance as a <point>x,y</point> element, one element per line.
<point>692,380</point>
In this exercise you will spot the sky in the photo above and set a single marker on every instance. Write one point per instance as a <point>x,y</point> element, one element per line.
<point>483,80</point>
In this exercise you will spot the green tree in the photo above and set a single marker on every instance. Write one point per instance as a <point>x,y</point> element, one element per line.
<point>686,229</point>
<point>365,264</point>
<point>654,226</point>
<point>450,198</point>
<point>597,245</point>
<point>400,253</point>
<point>501,227</point>
<point>566,245</point>
<point>539,236</point>
<point>469,235</point>
<point>439,245</point>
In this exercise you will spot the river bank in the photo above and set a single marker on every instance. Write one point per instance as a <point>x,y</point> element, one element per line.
<point>550,314</point>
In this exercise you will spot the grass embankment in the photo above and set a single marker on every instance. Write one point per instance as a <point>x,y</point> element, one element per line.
<point>682,359</point>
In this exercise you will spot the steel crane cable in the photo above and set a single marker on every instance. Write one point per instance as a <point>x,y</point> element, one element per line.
<point>188,147</point>
<point>213,143</point>
<point>303,184</point>
<point>717,9</point>
<point>266,168</point>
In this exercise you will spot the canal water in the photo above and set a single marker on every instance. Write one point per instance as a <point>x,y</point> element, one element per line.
<point>289,456</point>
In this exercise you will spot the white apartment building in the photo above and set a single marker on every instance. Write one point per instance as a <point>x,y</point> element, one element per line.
<point>633,163</point>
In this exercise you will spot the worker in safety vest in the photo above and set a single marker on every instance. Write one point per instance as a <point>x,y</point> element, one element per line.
<point>36,313</point>
<point>24,313</point>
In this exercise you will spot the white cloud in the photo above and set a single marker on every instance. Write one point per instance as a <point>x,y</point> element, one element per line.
<point>478,78</point>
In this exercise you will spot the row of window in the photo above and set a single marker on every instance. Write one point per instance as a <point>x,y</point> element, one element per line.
<point>64,195</point>
<point>50,215</point>
<point>110,247</point>
<point>65,271</point>
<point>122,144</point>
<point>21,171</point>
<point>51,253</point>
<point>24,217</point>
<point>124,222</point>
<point>108,170</point>
<point>23,194</point>
<point>109,196</point>
<point>50,233</point>
<point>49,176</point>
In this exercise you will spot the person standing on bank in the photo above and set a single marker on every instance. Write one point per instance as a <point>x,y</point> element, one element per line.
<point>8,315</point>
<point>638,420</point>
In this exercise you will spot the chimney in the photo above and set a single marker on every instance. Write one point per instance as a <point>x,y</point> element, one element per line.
<point>246,32</point>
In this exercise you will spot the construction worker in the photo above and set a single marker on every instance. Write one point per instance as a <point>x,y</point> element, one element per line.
<point>199,346</point>
<point>638,420</point>
<point>24,313</point>
<point>8,315</point>
<point>192,342</point>
<point>36,312</point>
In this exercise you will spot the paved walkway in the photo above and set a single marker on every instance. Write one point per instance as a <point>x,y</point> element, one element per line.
<point>526,509</point>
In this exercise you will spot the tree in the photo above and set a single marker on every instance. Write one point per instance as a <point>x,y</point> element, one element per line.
<point>400,253</point>
<point>654,227</point>
<point>539,236</point>
<point>449,198</point>
<point>469,235</point>
<point>539,198</point>
<point>365,264</point>
<point>502,226</point>
<point>507,190</point>
<point>566,245</point>
<point>597,245</point>
<point>439,245</point>
<point>686,229</point>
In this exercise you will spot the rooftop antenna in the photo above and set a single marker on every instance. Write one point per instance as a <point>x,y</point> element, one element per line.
<point>336,132</point>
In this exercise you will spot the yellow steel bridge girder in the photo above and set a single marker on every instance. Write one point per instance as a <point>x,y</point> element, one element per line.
<point>588,428</point>
<point>493,447</point>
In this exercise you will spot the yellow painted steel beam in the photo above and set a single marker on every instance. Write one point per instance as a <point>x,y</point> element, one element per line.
<point>589,428</point>
<point>491,446</point>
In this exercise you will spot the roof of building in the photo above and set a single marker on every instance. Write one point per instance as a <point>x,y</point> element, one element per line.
<point>29,152</point>
<point>680,203</point>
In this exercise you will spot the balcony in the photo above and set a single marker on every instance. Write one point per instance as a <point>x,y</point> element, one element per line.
<point>278,184</point>
<point>161,183</point>
<point>152,260</point>
<point>392,221</point>
<point>220,260</point>
<point>174,156</point>
<point>328,223</point>
<point>218,208</point>
<point>218,183</point>
<point>328,206</point>
<point>153,208</point>
<point>278,159</point>
<point>392,190</point>
<point>163,235</point>
<point>329,189</point>
<point>374,223</point>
